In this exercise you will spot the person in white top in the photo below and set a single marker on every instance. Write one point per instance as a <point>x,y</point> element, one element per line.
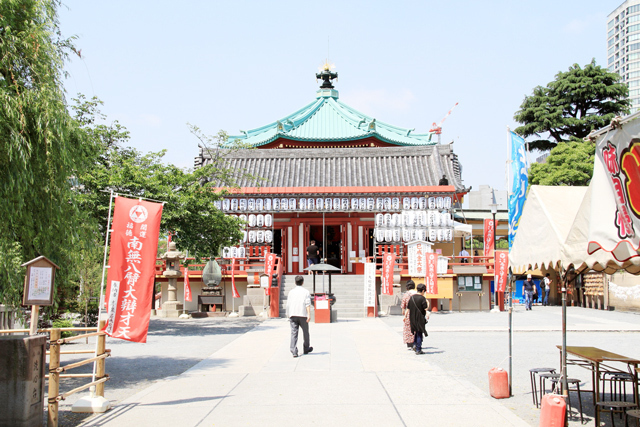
<point>547,289</point>
<point>299,314</point>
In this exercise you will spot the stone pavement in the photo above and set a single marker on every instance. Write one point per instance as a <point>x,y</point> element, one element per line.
<point>358,374</point>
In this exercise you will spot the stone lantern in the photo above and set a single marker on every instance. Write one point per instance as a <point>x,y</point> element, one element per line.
<point>171,307</point>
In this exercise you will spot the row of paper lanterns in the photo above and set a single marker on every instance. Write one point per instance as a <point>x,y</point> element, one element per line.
<point>431,218</point>
<point>258,220</point>
<point>432,234</point>
<point>257,236</point>
<point>334,203</point>
<point>234,252</point>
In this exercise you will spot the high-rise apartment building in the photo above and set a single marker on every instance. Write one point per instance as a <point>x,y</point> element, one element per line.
<point>623,47</point>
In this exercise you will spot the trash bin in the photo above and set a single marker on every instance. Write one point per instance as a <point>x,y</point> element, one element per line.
<point>322,308</point>
<point>22,380</point>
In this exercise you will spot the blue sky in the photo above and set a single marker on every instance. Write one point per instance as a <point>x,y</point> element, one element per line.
<point>232,65</point>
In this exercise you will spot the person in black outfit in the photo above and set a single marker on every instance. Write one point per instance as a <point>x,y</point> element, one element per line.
<point>313,254</point>
<point>418,317</point>
<point>527,288</point>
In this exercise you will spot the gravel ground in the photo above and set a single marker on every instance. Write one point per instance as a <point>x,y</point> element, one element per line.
<point>471,354</point>
<point>172,347</point>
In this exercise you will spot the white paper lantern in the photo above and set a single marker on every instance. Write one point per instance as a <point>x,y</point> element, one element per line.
<point>336,204</point>
<point>284,204</point>
<point>259,204</point>
<point>268,236</point>
<point>440,232</point>
<point>414,203</point>
<point>379,203</point>
<point>243,204</point>
<point>268,220</point>
<point>319,203</point>
<point>440,202</point>
<point>244,237</point>
<point>447,202</point>
<point>422,203</point>
<point>233,252</point>
<point>226,204</point>
<point>396,220</point>
<point>252,220</point>
<point>362,204</point>
<point>260,236</point>
<point>387,203</point>
<point>252,236</point>
<point>354,204</point>
<point>379,220</point>
<point>311,204</point>
<point>292,204</point>
<point>242,252</point>
<point>412,218</point>
<point>251,204</point>
<point>234,204</point>
<point>397,232</point>
<point>380,234</point>
<point>423,219</point>
<point>387,220</point>
<point>414,234</point>
<point>406,220</point>
<point>276,204</point>
<point>345,204</point>
<point>303,204</point>
<point>225,252</point>
<point>448,234</point>
<point>395,203</point>
<point>327,204</point>
<point>371,203</point>
<point>431,202</point>
<point>433,234</point>
<point>406,235</point>
<point>406,203</point>
<point>388,235</point>
<point>431,218</point>
<point>243,218</point>
<point>268,204</point>
<point>218,204</point>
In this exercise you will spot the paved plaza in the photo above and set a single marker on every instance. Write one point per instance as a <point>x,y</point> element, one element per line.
<point>358,374</point>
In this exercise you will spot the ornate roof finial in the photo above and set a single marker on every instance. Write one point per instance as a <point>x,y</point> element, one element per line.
<point>327,76</point>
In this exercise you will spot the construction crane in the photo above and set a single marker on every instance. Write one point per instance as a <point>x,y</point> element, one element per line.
<point>437,129</point>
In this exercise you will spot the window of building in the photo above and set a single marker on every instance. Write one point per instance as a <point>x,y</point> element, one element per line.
<point>611,59</point>
<point>634,92</point>
<point>610,25</point>
<point>633,56</point>
<point>634,46</point>
<point>632,28</point>
<point>633,37</point>
<point>631,9</point>
<point>634,18</point>
<point>611,42</point>
<point>610,51</point>
<point>469,283</point>
<point>634,83</point>
<point>633,65</point>
<point>633,75</point>
<point>610,33</point>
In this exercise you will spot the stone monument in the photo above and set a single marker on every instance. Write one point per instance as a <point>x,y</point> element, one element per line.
<point>172,307</point>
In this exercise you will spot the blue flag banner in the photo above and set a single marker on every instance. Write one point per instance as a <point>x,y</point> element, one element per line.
<point>519,183</point>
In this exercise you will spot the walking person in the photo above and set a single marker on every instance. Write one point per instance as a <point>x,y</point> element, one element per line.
<point>312,254</point>
<point>299,314</point>
<point>527,290</point>
<point>418,316</point>
<point>546,288</point>
<point>407,335</point>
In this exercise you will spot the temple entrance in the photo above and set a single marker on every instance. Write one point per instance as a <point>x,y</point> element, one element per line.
<point>329,243</point>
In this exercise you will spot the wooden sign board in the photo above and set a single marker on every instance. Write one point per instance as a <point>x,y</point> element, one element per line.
<point>38,282</point>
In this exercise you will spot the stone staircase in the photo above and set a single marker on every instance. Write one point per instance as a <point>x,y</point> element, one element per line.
<point>348,290</point>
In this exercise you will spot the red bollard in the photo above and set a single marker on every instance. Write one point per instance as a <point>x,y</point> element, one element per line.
<point>552,411</point>
<point>498,383</point>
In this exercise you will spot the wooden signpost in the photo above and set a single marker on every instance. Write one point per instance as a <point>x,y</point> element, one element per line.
<point>38,287</point>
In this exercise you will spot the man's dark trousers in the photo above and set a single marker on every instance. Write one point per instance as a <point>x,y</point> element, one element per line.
<point>299,322</point>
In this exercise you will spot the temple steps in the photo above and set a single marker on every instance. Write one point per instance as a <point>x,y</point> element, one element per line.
<point>348,290</point>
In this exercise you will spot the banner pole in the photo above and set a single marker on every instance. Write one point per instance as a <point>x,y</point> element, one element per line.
<point>104,268</point>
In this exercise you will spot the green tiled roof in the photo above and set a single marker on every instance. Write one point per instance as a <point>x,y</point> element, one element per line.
<point>329,120</point>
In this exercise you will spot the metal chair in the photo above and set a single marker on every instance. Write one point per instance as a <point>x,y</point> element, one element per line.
<point>634,413</point>
<point>570,382</point>
<point>532,376</point>
<point>615,406</point>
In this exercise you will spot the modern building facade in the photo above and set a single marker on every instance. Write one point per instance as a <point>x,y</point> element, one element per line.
<point>623,47</point>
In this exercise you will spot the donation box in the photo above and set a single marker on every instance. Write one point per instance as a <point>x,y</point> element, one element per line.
<point>322,308</point>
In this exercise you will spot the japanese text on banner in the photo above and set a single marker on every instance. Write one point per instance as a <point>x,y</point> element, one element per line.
<point>130,280</point>
<point>431,278</point>
<point>502,270</point>
<point>489,236</point>
<point>388,262</point>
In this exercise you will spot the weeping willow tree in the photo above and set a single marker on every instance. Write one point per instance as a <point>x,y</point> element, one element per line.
<point>42,149</point>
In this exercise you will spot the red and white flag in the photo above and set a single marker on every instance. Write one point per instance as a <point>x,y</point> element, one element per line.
<point>269,265</point>
<point>431,278</point>
<point>501,270</point>
<point>489,237</point>
<point>233,279</point>
<point>132,261</point>
<point>388,261</point>
<point>187,286</point>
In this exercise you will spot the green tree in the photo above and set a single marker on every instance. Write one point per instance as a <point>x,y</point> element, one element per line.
<point>570,163</point>
<point>41,147</point>
<point>575,103</point>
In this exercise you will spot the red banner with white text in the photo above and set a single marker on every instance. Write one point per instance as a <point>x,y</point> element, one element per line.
<point>502,270</point>
<point>132,261</point>
<point>187,286</point>
<point>489,236</point>
<point>388,262</point>
<point>431,278</point>
<point>269,265</point>
<point>234,290</point>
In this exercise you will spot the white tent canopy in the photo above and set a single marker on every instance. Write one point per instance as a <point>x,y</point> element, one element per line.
<point>461,230</point>
<point>553,232</point>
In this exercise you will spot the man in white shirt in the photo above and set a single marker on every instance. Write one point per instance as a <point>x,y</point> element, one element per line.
<point>299,314</point>
<point>464,253</point>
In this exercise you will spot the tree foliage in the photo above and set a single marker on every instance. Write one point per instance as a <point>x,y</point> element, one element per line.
<point>41,148</point>
<point>575,103</point>
<point>570,163</point>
